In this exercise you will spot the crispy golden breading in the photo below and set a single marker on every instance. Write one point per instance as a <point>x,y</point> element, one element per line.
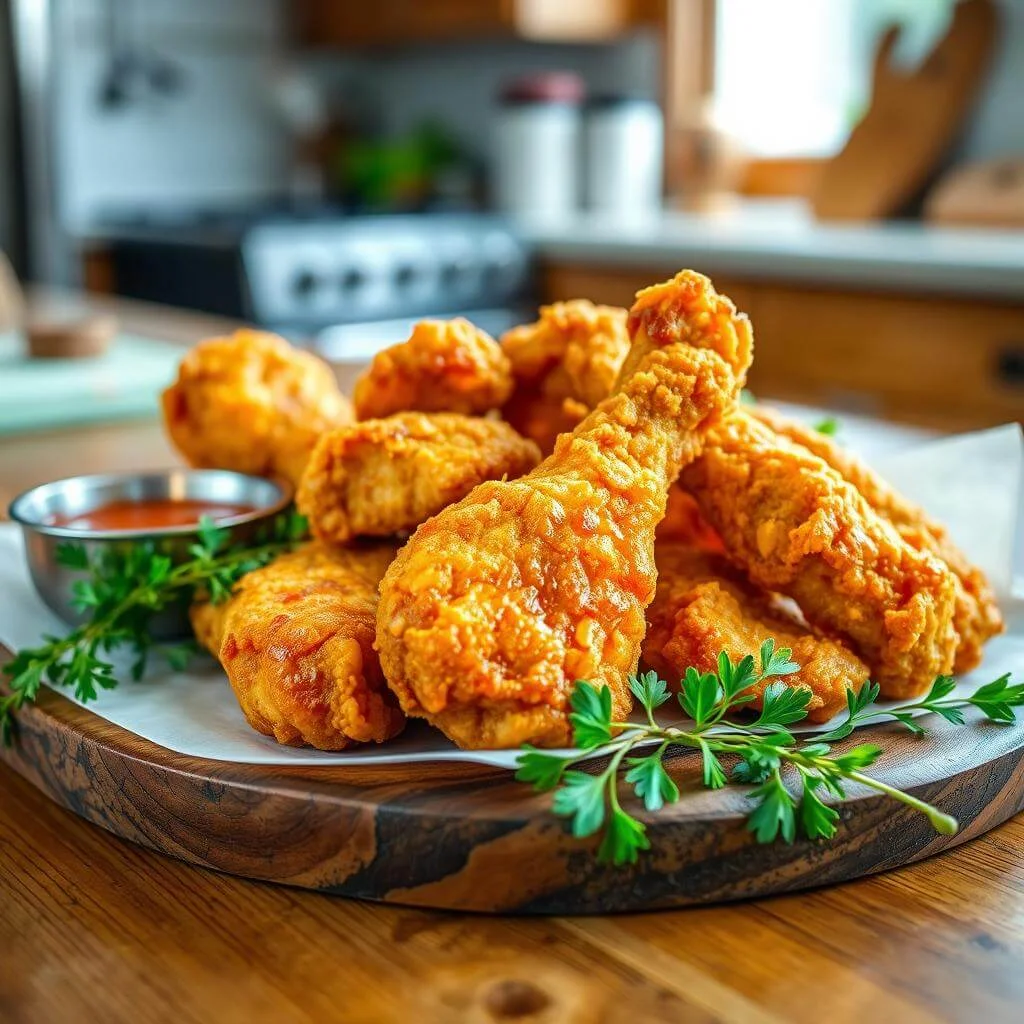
<point>382,477</point>
<point>445,366</point>
<point>796,526</point>
<point>684,524</point>
<point>564,364</point>
<point>252,403</point>
<point>977,617</point>
<point>703,606</point>
<point>296,641</point>
<point>499,603</point>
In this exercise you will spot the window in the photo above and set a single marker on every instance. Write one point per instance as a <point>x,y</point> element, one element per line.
<point>793,76</point>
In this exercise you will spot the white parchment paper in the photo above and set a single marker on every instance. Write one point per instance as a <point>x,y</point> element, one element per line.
<point>971,482</point>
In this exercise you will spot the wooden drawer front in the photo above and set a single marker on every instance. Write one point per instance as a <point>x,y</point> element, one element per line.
<point>381,22</point>
<point>955,363</point>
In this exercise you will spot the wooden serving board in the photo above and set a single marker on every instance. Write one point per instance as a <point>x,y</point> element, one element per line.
<point>913,118</point>
<point>468,838</point>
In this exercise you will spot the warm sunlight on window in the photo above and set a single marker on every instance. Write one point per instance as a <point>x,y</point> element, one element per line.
<point>792,76</point>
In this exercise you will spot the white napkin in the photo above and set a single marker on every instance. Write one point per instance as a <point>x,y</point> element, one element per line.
<point>972,483</point>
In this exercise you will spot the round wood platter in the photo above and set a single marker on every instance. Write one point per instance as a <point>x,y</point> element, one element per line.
<point>469,838</point>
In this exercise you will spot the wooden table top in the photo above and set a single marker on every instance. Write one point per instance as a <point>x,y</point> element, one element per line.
<point>93,928</point>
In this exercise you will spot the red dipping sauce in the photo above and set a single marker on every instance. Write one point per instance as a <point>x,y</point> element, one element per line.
<point>149,514</point>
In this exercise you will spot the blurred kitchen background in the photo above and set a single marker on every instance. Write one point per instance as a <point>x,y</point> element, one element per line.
<point>335,169</point>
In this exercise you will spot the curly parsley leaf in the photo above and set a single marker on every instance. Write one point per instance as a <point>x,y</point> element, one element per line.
<point>542,770</point>
<point>582,799</point>
<point>651,782</point>
<point>762,751</point>
<point>650,690</point>
<point>591,715</point>
<point>623,840</point>
<point>782,705</point>
<point>699,694</point>
<point>123,590</point>
<point>774,816</point>
<point>817,819</point>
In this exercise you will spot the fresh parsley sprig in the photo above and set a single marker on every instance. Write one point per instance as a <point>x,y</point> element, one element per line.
<point>124,589</point>
<point>760,751</point>
<point>996,700</point>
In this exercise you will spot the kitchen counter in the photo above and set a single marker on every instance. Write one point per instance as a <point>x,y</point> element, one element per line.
<point>781,241</point>
<point>94,928</point>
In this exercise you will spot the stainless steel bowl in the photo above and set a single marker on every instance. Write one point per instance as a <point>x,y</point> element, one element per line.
<point>36,509</point>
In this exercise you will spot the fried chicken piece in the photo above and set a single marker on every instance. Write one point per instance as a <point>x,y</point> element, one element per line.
<point>498,604</point>
<point>796,526</point>
<point>296,641</point>
<point>703,606</point>
<point>977,617</point>
<point>382,477</point>
<point>684,524</point>
<point>564,364</point>
<point>252,403</point>
<point>445,366</point>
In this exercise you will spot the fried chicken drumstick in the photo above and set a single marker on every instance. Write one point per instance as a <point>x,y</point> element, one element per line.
<point>445,366</point>
<point>252,403</point>
<point>795,526</point>
<point>383,477</point>
<point>296,642</point>
<point>499,603</point>
<point>565,363</point>
<point>977,617</point>
<point>704,606</point>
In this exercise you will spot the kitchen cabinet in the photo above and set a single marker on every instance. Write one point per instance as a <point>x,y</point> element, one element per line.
<point>345,23</point>
<point>950,363</point>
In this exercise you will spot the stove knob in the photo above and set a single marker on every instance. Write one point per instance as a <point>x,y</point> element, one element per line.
<point>304,284</point>
<point>352,280</point>
<point>405,275</point>
<point>454,273</point>
<point>497,272</point>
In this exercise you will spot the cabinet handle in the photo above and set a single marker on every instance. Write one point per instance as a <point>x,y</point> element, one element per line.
<point>1010,366</point>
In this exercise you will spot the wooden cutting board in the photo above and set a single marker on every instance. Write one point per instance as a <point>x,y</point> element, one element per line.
<point>460,837</point>
<point>912,120</point>
<point>124,383</point>
<point>989,194</point>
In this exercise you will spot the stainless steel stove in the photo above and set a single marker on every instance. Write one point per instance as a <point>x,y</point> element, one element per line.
<point>347,286</point>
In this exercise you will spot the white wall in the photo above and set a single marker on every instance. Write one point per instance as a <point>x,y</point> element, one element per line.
<point>217,141</point>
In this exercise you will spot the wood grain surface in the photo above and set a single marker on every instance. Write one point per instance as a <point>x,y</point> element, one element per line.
<point>96,929</point>
<point>912,120</point>
<point>457,836</point>
<point>93,928</point>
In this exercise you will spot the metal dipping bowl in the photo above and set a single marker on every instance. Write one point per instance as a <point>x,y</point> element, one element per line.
<point>36,509</point>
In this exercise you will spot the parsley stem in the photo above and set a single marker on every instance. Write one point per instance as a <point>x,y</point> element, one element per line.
<point>122,592</point>
<point>945,824</point>
<point>736,743</point>
<point>612,774</point>
<point>765,750</point>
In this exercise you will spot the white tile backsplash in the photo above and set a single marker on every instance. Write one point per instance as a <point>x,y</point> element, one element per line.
<point>215,141</point>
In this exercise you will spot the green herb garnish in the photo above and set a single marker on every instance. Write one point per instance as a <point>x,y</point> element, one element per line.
<point>759,751</point>
<point>124,589</point>
<point>829,426</point>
